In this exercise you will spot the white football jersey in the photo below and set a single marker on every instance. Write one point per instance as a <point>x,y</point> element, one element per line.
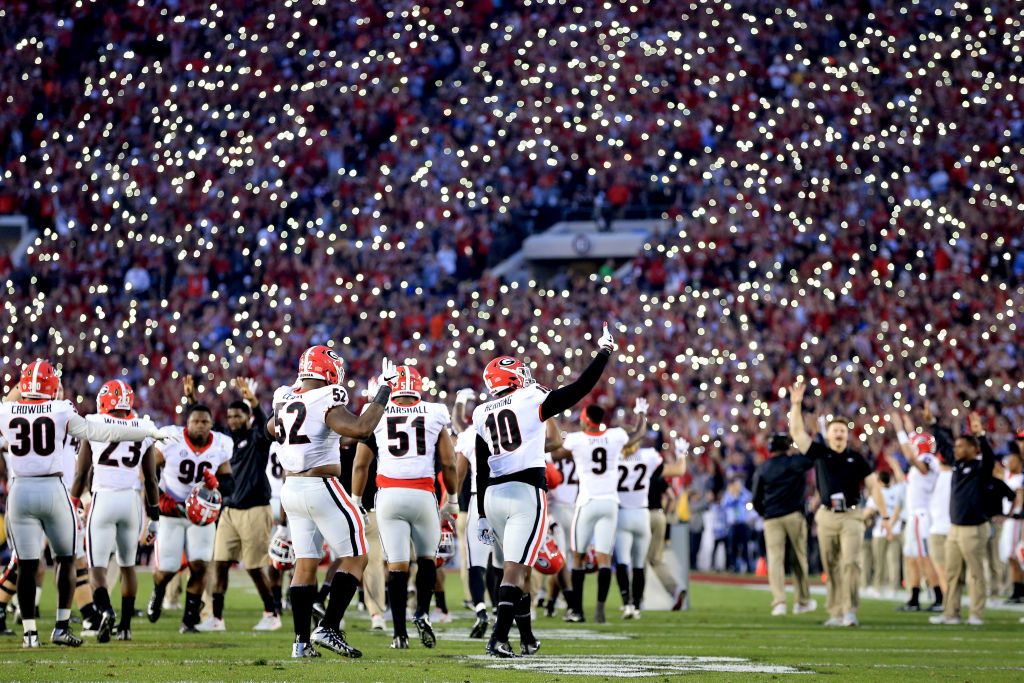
<point>597,459</point>
<point>513,430</point>
<point>465,445</point>
<point>184,463</point>
<point>635,474</point>
<point>920,485</point>
<point>566,492</point>
<point>116,465</point>
<point>406,439</point>
<point>275,471</point>
<point>37,436</point>
<point>939,503</point>
<point>302,432</point>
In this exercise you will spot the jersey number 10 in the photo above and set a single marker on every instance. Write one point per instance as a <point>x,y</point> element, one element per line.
<point>503,428</point>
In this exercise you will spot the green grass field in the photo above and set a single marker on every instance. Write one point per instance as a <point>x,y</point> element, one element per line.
<point>727,635</point>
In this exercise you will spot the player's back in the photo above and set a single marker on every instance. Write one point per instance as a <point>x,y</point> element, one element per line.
<point>36,432</point>
<point>635,474</point>
<point>305,440</point>
<point>920,484</point>
<point>405,439</point>
<point>513,430</point>
<point>597,456</point>
<point>115,465</point>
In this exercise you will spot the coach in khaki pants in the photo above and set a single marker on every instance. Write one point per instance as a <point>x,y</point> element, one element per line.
<point>839,471</point>
<point>966,544</point>
<point>780,485</point>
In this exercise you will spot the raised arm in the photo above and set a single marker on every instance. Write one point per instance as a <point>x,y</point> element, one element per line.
<point>107,432</point>
<point>677,468</point>
<point>904,428</point>
<point>563,398</point>
<point>797,431</point>
<point>636,434</point>
<point>342,421</point>
<point>459,419</point>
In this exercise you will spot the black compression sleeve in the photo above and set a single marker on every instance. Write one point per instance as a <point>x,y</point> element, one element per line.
<point>566,397</point>
<point>483,473</point>
<point>383,394</point>
<point>226,484</point>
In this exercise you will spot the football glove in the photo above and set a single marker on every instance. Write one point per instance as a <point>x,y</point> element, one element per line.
<point>606,341</point>
<point>640,407</point>
<point>485,533</point>
<point>450,513</point>
<point>388,372</point>
<point>282,534</point>
<point>362,511</point>
<point>464,395</point>
<point>170,433</point>
<point>149,533</point>
<point>170,507</point>
<point>210,479</point>
<point>682,447</point>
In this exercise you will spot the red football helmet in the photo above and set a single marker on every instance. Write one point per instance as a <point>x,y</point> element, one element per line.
<point>925,444</point>
<point>504,372</point>
<point>550,559</point>
<point>446,548</point>
<point>408,383</point>
<point>203,505</point>
<point>115,395</point>
<point>39,381</point>
<point>320,362</point>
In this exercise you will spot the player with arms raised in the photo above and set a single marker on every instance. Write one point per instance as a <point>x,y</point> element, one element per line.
<point>511,478</point>
<point>405,443</point>
<point>115,516</point>
<point>37,425</point>
<point>597,451</point>
<point>309,420</point>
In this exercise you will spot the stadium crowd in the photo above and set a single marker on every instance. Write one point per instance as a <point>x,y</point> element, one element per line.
<point>217,186</point>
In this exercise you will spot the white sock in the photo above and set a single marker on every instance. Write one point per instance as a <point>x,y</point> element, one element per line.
<point>63,614</point>
<point>480,607</point>
<point>28,625</point>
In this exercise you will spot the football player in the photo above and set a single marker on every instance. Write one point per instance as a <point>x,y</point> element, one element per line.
<point>596,451</point>
<point>405,443</point>
<point>512,479</point>
<point>919,450</point>
<point>275,474</point>
<point>633,533</point>
<point>115,515</point>
<point>309,420</point>
<point>198,457</point>
<point>477,552</point>
<point>37,426</point>
<point>561,503</point>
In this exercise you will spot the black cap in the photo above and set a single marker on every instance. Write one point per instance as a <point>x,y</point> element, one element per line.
<point>780,442</point>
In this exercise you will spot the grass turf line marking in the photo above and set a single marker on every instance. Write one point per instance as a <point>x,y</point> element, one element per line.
<point>632,666</point>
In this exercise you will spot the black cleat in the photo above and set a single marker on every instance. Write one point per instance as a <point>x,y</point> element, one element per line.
<point>400,643</point>
<point>188,628</point>
<point>427,636</point>
<point>64,636</point>
<point>105,626</point>
<point>303,651</point>
<point>334,641</point>
<point>549,610</point>
<point>500,650</point>
<point>155,606</point>
<point>529,648</point>
<point>479,629</point>
<point>124,634</point>
<point>4,631</point>
<point>909,607</point>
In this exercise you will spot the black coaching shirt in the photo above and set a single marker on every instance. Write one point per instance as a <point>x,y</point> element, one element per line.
<point>838,472</point>
<point>249,464</point>
<point>780,484</point>
<point>971,479</point>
